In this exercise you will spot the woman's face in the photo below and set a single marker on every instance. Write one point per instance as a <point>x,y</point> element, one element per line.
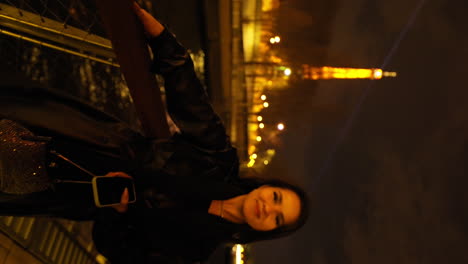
<point>267,208</point>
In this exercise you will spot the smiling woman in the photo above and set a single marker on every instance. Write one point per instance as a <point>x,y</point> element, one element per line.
<point>268,208</point>
<point>272,209</point>
<point>264,209</point>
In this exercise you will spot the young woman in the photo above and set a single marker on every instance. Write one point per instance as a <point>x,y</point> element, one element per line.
<point>190,198</point>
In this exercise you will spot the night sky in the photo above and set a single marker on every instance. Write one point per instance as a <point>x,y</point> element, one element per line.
<point>384,161</point>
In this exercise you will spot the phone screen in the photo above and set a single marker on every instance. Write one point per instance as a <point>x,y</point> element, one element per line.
<point>109,190</point>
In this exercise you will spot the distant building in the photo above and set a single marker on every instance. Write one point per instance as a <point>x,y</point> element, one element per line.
<point>326,72</point>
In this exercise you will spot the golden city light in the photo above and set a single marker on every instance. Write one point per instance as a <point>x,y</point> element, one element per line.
<point>254,156</point>
<point>389,74</point>
<point>266,162</point>
<point>239,250</point>
<point>378,74</point>
<point>263,97</point>
<point>261,125</point>
<point>266,104</point>
<point>275,39</point>
<point>275,59</point>
<point>327,72</point>
<point>259,118</point>
<point>280,126</point>
<point>287,72</point>
<point>259,138</point>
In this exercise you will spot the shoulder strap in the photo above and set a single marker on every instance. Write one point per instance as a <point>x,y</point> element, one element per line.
<point>74,164</point>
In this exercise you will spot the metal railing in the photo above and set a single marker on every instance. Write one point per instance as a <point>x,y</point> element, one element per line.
<point>53,34</point>
<point>46,239</point>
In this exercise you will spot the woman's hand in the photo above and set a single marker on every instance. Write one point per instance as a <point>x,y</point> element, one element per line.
<point>123,206</point>
<point>152,26</point>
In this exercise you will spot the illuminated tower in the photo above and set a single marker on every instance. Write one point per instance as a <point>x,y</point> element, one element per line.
<point>326,72</point>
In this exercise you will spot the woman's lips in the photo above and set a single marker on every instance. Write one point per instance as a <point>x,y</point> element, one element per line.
<point>257,209</point>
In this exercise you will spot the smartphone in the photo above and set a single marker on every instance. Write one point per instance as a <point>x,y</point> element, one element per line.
<point>108,190</point>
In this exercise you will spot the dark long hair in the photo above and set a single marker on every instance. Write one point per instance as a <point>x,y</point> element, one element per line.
<point>246,234</point>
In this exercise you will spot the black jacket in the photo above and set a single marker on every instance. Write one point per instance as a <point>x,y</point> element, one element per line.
<point>189,170</point>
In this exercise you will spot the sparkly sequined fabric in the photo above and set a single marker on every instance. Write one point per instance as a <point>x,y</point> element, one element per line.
<point>22,160</point>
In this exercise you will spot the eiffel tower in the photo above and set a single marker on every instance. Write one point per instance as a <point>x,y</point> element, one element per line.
<point>326,72</point>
